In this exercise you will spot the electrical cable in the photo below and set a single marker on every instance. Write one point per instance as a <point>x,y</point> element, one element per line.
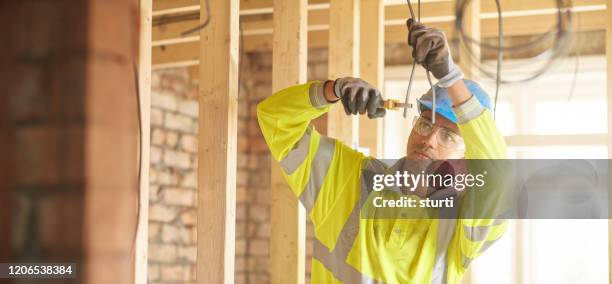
<point>559,34</point>
<point>240,47</point>
<point>140,147</point>
<point>202,25</point>
<point>432,86</point>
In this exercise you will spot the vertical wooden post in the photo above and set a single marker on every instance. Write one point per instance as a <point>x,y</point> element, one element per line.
<point>343,61</point>
<point>609,97</point>
<point>288,217</point>
<point>144,88</point>
<point>110,141</point>
<point>217,142</point>
<point>372,65</point>
<point>471,24</point>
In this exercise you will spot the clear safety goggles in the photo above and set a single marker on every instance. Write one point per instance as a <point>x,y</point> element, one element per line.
<point>446,138</point>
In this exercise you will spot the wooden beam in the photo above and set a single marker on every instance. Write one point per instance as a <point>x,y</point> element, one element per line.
<point>372,66</point>
<point>258,7</point>
<point>468,51</point>
<point>109,126</point>
<point>247,7</point>
<point>288,216</point>
<point>343,61</point>
<point>609,142</point>
<point>527,24</point>
<point>513,26</point>
<point>144,89</point>
<point>171,33</point>
<point>555,140</point>
<point>471,25</point>
<point>217,144</point>
<point>489,7</point>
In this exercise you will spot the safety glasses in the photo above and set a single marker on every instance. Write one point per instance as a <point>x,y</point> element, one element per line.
<point>446,138</point>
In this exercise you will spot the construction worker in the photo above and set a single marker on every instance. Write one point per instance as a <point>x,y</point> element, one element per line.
<point>325,174</point>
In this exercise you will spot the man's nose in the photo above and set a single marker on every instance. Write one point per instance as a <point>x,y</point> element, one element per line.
<point>431,139</point>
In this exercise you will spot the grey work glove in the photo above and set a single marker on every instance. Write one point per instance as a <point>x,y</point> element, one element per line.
<point>430,49</point>
<point>358,96</point>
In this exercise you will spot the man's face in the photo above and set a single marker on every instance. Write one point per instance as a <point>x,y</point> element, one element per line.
<point>427,147</point>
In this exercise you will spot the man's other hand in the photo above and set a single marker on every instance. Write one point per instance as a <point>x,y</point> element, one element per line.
<point>359,97</point>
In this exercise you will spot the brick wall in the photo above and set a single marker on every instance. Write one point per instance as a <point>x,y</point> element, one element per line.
<point>172,211</point>
<point>61,152</point>
<point>173,196</point>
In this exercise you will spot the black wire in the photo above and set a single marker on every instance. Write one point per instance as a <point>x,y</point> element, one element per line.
<point>140,147</point>
<point>201,26</point>
<point>410,8</point>
<point>241,43</point>
<point>407,98</point>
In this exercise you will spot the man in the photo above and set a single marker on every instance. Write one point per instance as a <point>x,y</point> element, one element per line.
<point>326,174</point>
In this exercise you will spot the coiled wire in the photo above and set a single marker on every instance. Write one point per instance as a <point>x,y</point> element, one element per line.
<point>560,33</point>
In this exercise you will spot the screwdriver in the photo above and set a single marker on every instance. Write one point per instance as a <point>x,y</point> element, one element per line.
<point>392,104</point>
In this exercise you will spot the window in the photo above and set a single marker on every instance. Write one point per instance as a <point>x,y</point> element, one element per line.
<point>542,119</point>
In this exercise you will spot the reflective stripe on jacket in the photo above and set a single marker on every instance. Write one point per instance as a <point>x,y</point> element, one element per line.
<point>325,175</point>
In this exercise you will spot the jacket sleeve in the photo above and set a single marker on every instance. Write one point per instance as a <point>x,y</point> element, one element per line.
<point>319,170</point>
<point>485,151</point>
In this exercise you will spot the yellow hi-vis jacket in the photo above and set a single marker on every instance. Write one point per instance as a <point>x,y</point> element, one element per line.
<point>325,175</point>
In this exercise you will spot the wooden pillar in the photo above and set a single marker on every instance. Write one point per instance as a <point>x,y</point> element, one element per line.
<point>288,217</point>
<point>372,66</point>
<point>110,131</point>
<point>144,88</point>
<point>608,42</point>
<point>217,142</point>
<point>471,24</point>
<point>343,61</point>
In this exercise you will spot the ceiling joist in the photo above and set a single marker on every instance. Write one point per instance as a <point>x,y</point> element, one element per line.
<point>186,53</point>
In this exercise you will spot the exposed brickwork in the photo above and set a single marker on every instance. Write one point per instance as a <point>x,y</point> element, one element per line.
<point>173,195</point>
<point>63,151</point>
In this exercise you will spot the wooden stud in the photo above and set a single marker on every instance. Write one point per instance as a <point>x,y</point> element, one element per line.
<point>472,29</point>
<point>609,142</point>
<point>288,216</point>
<point>109,126</point>
<point>471,24</point>
<point>343,61</point>
<point>217,143</point>
<point>144,88</point>
<point>372,65</point>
